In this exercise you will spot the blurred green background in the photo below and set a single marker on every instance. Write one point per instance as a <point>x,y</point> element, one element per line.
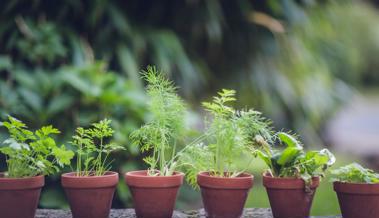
<point>70,63</point>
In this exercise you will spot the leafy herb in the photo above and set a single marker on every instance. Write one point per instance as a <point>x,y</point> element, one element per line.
<point>355,173</point>
<point>229,135</point>
<point>92,151</point>
<point>293,161</point>
<point>162,133</point>
<point>32,153</point>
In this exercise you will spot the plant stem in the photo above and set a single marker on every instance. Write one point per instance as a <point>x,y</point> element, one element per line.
<point>79,159</point>
<point>218,161</point>
<point>162,154</point>
<point>196,141</point>
<point>98,169</point>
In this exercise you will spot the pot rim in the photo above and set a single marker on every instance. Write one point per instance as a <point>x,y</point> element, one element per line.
<point>32,182</point>
<point>72,175</point>
<point>287,182</point>
<point>70,180</point>
<point>140,173</point>
<point>244,176</point>
<point>139,178</point>
<point>244,181</point>
<point>356,188</point>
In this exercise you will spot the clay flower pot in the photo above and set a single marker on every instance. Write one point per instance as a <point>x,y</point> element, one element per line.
<point>90,196</point>
<point>153,196</point>
<point>288,197</point>
<point>358,200</point>
<point>19,196</point>
<point>224,197</point>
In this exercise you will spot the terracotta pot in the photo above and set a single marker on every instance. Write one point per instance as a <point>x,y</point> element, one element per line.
<point>224,197</point>
<point>19,196</point>
<point>358,200</point>
<point>153,196</point>
<point>288,197</point>
<point>90,196</point>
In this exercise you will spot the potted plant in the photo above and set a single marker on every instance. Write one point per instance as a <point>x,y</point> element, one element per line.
<point>91,187</point>
<point>229,135</point>
<point>29,157</point>
<point>154,190</point>
<point>357,189</point>
<point>293,176</point>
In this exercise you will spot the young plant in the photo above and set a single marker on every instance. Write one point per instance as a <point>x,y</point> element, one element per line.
<point>92,150</point>
<point>162,133</point>
<point>30,153</point>
<point>355,173</point>
<point>229,135</point>
<point>293,161</point>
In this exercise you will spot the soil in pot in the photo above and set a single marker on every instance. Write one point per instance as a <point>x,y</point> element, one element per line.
<point>90,196</point>
<point>358,200</point>
<point>153,196</point>
<point>288,197</point>
<point>224,197</point>
<point>19,196</point>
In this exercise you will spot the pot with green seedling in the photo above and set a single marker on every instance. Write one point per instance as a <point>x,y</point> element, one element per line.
<point>154,190</point>
<point>293,175</point>
<point>213,165</point>
<point>29,157</point>
<point>90,188</point>
<point>357,189</point>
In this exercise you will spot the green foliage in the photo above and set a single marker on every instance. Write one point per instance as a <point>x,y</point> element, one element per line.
<point>293,161</point>
<point>229,135</point>
<point>32,153</point>
<point>92,150</point>
<point>194,159</point>
<point>166,127</point>
<point>325,52</point>
<point>218,107</point>
<point>355,173</point>
<point>40,42</point>
<point>50,73</point>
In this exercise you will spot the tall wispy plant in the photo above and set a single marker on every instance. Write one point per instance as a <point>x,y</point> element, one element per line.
<point>162,133</point>
<point>229,135</point>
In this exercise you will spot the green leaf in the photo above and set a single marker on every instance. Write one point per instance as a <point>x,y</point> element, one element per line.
<point>12,143</point>
<point>62,155</point>
<point>129,64</point>
<point>289,140</point>
<point>264,157</point>
<point>59,103</point>
<point>288,155</point>
<point>46,131</point>
<point>5,62</point>
<point>31,98</point>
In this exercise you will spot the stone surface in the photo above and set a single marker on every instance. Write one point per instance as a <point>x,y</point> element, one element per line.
<point>129,213</point>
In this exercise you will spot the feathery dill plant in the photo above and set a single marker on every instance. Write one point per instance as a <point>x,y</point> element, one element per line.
<point>230,134</point>
<point>163,132</point>
<point>92,150</point>
<point>32,153</point>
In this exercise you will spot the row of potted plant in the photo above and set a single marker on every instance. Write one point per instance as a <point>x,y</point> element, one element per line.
<point>212,162</point>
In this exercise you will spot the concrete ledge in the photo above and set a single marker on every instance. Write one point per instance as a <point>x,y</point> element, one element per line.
<point>129,213</point>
